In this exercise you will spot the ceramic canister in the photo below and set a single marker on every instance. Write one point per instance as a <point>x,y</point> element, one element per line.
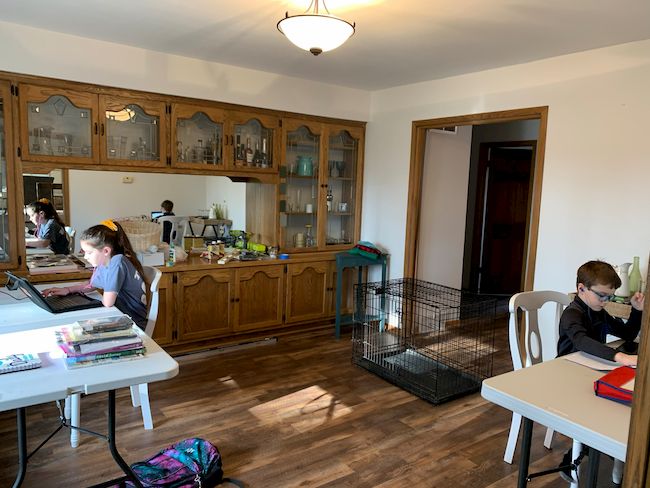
<point>305,166</point>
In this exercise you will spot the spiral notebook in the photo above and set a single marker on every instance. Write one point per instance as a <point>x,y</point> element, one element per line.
<point>19,362</point>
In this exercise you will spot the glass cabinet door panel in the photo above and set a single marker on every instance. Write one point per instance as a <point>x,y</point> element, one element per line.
<point>198,140</point>
<point>8,208</point>
<point>254,146</point>
<point>299,218</point>
<point>58,125</point>
<point>132,132</point>
<point>341,187</point>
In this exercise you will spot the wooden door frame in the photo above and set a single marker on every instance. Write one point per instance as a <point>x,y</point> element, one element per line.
<point>480,189</point>
<point>418,143</point>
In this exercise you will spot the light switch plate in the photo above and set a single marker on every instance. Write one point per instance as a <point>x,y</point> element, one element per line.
<point>127,179</point>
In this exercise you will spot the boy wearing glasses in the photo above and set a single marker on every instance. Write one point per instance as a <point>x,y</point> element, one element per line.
<point>584,324</point>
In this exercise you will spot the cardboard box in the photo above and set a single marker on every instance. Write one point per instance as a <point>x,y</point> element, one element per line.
<point>151,258</point>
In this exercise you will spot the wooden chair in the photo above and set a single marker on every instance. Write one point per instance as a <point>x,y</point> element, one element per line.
<point>530,343</point>
<point>139,393</point>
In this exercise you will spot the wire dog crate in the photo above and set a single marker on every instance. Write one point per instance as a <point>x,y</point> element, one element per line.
<point>431,340</point>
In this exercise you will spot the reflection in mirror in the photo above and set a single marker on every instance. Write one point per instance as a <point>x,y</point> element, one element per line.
<point>88,197</point>
<point>4,209</point>
<point>51,185</point>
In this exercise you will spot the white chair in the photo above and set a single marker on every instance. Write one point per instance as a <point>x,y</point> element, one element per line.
<point>139,393</point>
<point>178,230</point>
<point>531,344</point>
<point>71,233</point>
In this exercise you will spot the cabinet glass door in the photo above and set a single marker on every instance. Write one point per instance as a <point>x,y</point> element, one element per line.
<point>198,137</point>
<point>299,207</point>
<point>132,132</point>
<point>58,125</point>
<point>341,190</point>
<point>253,145</point>
<point>8,209</point>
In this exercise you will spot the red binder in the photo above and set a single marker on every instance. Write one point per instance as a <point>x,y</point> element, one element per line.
<point>612,385</point>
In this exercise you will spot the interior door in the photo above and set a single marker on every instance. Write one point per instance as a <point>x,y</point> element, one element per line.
<point>503,204</point>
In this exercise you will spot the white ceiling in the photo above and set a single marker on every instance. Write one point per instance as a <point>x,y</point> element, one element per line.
<point>397,42</point>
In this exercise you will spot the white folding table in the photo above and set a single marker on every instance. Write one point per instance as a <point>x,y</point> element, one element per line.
<point>24,327</point>
<point>560,394</point>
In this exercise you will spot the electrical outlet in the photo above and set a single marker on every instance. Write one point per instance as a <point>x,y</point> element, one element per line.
<point>127,179</point>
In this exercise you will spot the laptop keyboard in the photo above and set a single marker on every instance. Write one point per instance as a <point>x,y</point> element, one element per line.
<point>58,302</point>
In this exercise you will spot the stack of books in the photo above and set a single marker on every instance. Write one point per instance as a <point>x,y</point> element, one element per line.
<point>100,341</point>
<point>55,263</point>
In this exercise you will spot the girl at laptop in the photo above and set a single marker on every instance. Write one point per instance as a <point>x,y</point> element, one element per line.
<point>50,229</point>
<point>117,271</point>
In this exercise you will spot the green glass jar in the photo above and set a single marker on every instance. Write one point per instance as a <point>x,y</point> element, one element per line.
<point>635,277</point>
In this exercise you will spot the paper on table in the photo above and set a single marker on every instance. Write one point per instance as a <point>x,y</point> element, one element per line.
<point>629,385</point>
<point>591,361</point>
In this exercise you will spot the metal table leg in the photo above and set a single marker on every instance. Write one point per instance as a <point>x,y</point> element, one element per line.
<point>594,463</point>
<point>22,447</point>
<point>524,460</point>
<point>111,441</point>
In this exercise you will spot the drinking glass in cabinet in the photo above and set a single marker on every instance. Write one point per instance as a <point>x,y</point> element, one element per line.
<point>198,140</point>
<point>132,134</point>
<point>58,128</point>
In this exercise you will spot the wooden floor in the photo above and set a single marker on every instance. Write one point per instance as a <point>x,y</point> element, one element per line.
<point>293,413</point>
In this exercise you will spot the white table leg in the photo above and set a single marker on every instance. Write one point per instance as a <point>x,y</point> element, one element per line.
<point>75,417</point>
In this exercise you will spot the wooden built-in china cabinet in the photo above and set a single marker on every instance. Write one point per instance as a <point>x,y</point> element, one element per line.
<point>303,195</point>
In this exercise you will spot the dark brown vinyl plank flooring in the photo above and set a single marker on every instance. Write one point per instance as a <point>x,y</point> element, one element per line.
<point>297,413</point>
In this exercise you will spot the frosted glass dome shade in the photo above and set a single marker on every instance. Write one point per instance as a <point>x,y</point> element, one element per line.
<point>316,33</point>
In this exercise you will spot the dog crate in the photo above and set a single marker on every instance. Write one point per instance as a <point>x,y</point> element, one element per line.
<point>431,340</point>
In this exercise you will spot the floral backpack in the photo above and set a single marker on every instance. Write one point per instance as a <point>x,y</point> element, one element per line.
<point>190,463</point>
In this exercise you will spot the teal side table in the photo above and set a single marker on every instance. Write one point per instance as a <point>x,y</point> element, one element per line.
<point>347,260</point>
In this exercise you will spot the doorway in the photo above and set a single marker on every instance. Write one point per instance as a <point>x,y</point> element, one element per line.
<point>502,209</point>
<point>528,183</point>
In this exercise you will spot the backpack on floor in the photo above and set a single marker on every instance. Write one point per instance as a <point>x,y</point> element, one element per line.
<point>190,463</point>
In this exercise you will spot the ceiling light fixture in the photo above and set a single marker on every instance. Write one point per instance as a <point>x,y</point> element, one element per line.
<point>316,32</point>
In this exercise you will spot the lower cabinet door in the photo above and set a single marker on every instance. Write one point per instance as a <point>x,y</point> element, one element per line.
<point>204,304</point>
<point>163,333</point>
<point>259,297</point>
<point>307,291</point>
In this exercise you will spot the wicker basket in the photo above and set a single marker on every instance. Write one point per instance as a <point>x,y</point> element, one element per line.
<point>142,234</point>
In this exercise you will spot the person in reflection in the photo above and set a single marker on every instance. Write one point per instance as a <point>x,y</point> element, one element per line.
<point>117,271</point>
<point>50,229</point>
<point>585,324</point>
<point>167,206</point>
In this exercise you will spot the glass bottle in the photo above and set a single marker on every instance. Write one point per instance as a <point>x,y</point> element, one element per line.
<point>238,151</point>
<point>257,156</point>
<point>309,237</point>
<point>265,156</point>
<point>249,152</point>
<point>635,277</point>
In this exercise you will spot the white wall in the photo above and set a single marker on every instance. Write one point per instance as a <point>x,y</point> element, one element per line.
<point>596,166</point>
<point>444,207</point>
<point>99,195</point>
<point>40,52</point>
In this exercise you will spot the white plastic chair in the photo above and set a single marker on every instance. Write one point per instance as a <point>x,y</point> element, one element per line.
<point>71,233</point>
<point>139,393</point>
<point>178,230</point>
<point>531,344</point>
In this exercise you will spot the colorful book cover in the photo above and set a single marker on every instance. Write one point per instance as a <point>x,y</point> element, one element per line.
<point>19,362</point>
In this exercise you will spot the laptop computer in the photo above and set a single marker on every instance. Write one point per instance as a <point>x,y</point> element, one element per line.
<point>155,214</point>
<point>53,303</point>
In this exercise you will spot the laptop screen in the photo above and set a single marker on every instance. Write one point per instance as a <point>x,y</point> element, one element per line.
<point>16,282</point>
<point>155,214</point>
